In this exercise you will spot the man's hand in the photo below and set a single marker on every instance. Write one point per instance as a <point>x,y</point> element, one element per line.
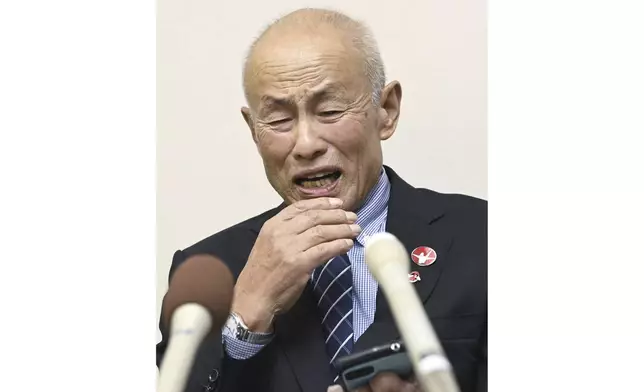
<point>390,382</point>
<point>289,247</point>
<point>384,382</point>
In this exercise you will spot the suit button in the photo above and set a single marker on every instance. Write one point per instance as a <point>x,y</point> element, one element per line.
<point>214,376</point>
<point>213,381</point>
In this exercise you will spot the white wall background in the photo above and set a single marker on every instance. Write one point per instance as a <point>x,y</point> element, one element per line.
<point>209,173</point>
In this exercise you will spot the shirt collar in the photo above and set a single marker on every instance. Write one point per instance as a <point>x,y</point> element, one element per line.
<point>375,204</point>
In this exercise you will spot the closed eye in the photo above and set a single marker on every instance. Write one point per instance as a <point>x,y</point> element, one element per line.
<point>279,122</point>
<point>330,113</point>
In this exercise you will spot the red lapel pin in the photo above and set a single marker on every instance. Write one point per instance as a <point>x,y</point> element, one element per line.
<point>424,256</point>
<point>414,276</point>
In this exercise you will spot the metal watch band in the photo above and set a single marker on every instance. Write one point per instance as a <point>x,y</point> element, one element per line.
<point>241,332</point>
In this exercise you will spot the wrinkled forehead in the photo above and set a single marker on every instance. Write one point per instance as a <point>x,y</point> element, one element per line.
<point>301,70</point>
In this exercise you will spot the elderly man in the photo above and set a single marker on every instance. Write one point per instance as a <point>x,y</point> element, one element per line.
<point>318,110</point>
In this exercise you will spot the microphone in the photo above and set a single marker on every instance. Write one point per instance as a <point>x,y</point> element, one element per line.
<point>197,304</point>
<point>388,262</point>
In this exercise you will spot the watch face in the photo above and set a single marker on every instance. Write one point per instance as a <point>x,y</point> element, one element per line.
<point>231,326</point>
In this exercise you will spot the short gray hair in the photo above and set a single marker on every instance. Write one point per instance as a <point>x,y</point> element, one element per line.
<point>374,68</point>
<point>362,39</point>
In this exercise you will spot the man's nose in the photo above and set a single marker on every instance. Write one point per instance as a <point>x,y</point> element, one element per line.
<point>308,144</point>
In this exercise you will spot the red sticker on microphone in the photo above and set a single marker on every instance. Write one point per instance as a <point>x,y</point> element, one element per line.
<point>424,256</point>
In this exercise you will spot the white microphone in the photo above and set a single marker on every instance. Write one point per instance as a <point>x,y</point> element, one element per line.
<point>388,262</point>
<point>197,304</point>
<point>189,326</point>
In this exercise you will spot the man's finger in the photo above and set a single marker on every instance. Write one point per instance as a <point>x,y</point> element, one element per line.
<point>311,218</point>
<point>325,251</point>
<point>389,382</point>
<point>326,233</point>
<point>320,203</point>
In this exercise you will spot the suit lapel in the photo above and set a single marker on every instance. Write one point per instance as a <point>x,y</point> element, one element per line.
<point>413,220</point>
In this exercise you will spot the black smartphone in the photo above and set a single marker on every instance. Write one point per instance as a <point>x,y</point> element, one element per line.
<point>357,369</point>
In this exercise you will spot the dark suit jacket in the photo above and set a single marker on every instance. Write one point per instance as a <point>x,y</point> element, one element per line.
<point>453,291</point>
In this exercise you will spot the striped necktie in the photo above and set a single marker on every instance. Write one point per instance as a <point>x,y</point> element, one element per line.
<point>333,286</point>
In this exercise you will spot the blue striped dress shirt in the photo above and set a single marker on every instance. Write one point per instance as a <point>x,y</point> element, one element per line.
<point>372,218</point>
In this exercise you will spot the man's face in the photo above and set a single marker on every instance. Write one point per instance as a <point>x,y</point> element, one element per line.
<point>313,120</point>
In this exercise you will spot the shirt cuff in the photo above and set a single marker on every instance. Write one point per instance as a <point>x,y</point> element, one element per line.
<point>238,349</point>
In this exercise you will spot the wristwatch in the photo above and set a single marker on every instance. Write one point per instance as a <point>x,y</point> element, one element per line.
<point>239,330</point>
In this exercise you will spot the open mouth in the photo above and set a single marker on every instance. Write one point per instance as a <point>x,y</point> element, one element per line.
<point>321,180</point>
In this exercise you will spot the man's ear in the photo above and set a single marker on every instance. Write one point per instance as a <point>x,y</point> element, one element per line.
<point>249,121</point>
<point>389,110</point>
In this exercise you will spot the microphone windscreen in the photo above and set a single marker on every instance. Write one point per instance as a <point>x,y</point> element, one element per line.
<point>202,279</point>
